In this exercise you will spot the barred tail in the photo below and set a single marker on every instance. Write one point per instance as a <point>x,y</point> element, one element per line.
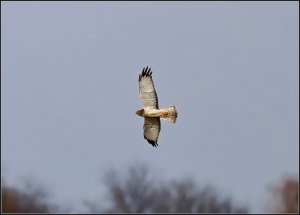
<point>171,114</point>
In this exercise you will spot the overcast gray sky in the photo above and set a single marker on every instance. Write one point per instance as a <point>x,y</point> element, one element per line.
<point>69,92</point>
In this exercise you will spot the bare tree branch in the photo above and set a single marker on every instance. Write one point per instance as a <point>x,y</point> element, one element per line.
<point>139,192</point>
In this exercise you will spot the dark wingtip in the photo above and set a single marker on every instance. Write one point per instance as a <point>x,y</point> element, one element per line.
<point>146,72</point>
<point>152,142</point>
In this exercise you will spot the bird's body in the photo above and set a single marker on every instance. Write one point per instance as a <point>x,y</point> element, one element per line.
<point>169,113</point>
<point>151,111</point>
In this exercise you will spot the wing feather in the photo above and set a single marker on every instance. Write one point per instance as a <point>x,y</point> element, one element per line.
<point>152,130</point>
<point>147,91</point>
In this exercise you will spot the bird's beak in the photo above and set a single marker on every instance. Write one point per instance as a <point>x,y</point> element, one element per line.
<point>139,112</point>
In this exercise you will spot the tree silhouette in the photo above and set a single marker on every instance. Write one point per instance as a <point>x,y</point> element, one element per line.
<point>284,196</point>
<point>139,192</point>
<point>18,201</point>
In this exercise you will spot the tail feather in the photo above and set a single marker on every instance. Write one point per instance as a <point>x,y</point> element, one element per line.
<point>171,115</point>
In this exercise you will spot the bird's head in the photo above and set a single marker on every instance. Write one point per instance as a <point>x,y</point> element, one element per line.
<point>140,112</point>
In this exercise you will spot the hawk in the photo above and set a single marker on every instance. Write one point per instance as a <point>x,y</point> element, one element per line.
<point>151,111</point>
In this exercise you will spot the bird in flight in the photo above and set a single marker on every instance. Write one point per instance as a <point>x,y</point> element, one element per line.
<point>151,111</point>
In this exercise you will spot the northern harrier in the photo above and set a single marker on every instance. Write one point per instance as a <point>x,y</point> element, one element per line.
<point>151,111</point>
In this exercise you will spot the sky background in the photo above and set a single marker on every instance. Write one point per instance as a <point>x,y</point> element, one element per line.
<point>69,93</point>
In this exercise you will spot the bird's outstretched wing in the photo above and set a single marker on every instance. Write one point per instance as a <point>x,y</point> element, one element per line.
<point>149,100</point>
<point>151,130</point>
<point>146,88</point>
